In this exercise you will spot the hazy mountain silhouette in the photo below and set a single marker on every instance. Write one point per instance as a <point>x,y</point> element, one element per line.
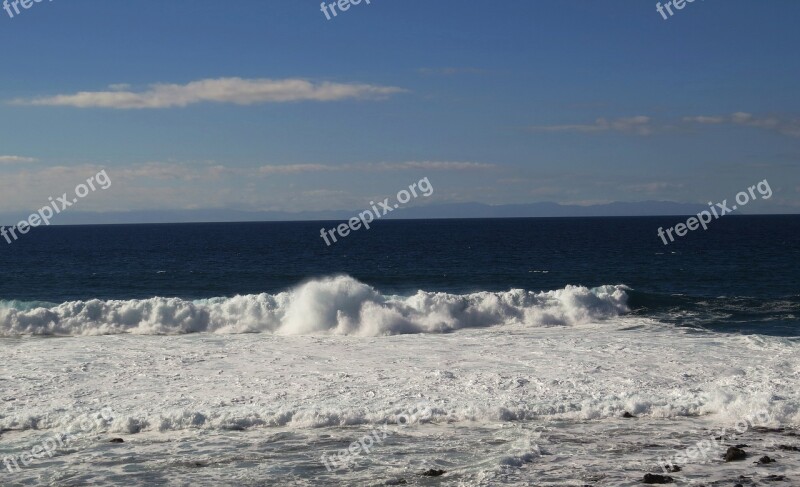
<point>450,210</point>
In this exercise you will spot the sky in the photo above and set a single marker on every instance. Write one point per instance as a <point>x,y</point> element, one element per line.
<point>270,106</point>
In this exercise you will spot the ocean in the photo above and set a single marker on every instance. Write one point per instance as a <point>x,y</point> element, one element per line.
<point>553,351</point>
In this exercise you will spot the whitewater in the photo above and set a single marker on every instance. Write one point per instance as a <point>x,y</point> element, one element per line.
<point>504,388</point>
<point>337,305</point>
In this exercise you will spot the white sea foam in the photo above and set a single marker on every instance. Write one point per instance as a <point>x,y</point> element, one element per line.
<point>517,404</point>
<point>337,305</point>
<point>268,399</point>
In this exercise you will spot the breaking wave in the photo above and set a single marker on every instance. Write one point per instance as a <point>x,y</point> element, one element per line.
<point>337,305</point>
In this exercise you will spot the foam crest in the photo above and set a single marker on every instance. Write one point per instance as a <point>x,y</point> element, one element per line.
<point>337,305</point>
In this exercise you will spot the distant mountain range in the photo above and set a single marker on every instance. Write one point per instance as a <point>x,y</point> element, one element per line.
<point>450,210</point>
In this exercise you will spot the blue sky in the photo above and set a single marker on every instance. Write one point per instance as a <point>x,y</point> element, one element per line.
<point>266,105</point>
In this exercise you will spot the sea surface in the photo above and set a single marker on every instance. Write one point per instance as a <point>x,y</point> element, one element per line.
<point>490,352</point>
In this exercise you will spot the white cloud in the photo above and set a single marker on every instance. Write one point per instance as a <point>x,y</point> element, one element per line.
<point>430,165</point>
<point>704,119</point>
<point>222,90</point>
<point>166,171</point>
<point>28,188</point>
<point>379,166</point>
<point>639,125</point>
<point>16,160</point>
<point>644,125</point>
<point>296,168</point>
<point>781,125</point>
<point>198,184</point>
<point>655,187</point>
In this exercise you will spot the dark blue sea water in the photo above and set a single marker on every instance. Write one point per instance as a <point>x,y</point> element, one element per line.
<point>741,275</point>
